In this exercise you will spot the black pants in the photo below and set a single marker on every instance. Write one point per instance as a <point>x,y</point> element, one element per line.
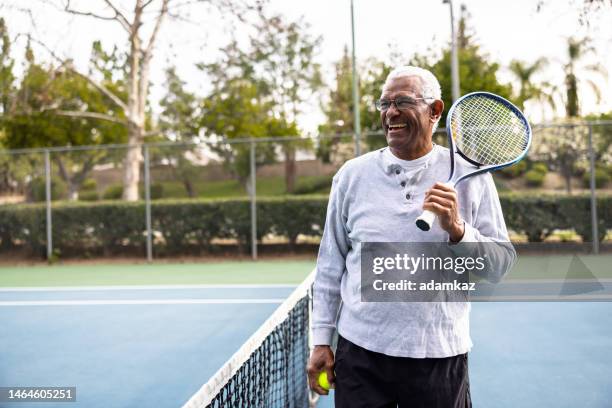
<point>365,379</point>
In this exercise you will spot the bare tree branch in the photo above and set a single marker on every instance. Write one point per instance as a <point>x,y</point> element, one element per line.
<point>85,13</point>
<point>24,10</point>
<point>146,3</point>
<point>90,115</point>
<point>102,89</point>
<point>158,23</point>
<point>95,84</point>
<point>148,53</point>
<point>117,17</point>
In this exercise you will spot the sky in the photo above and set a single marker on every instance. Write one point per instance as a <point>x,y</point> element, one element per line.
<point>505,30</point>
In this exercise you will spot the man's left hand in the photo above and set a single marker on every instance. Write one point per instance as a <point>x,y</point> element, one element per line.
<point>442,200</point>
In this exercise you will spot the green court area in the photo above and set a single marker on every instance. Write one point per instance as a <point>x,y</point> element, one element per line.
<point>264,272</point>
<point>231,272</point>
<point>562,267</point>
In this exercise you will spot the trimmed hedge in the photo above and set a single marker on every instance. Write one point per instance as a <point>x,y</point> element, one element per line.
<point>188,226</point>
<point>601,178</point>
<point>115,192</point>
<point>534,178</point>
<point>37,189</point>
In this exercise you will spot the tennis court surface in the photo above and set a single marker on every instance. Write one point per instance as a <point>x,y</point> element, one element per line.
<point>154,335</point>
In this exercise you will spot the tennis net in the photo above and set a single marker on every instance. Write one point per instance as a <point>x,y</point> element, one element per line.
<point>269,370</point>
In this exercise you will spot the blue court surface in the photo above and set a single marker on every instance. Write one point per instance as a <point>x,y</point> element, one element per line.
<point>155,346</point>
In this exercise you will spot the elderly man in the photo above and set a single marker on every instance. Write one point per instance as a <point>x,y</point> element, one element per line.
<point>407,354</point>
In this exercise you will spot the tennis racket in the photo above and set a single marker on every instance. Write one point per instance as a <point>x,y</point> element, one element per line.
<point>487,131</point>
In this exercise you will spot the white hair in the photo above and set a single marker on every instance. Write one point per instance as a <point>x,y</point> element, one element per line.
<point>430,85</point>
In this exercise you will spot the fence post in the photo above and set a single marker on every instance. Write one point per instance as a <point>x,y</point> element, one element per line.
<point>48,205</point>
<point>253,194</point>
<point>594,225</point>
<point>147,180</point>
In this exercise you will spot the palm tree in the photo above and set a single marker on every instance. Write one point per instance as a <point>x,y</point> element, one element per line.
<point>528,88</point>
<point>577,49</point>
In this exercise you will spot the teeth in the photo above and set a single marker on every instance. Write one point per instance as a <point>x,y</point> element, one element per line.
<point>397,126</point>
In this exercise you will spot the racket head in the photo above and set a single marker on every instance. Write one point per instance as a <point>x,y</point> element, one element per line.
<point>488,131</point>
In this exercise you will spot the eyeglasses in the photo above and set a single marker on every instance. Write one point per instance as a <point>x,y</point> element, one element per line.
<point>401,103</point>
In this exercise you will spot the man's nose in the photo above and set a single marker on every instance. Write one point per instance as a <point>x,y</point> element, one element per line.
<point>392,111</point>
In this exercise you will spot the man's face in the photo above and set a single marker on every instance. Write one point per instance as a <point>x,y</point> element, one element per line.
<point>407,130</point>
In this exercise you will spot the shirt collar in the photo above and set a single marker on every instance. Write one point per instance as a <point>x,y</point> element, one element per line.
<point>391,163</point>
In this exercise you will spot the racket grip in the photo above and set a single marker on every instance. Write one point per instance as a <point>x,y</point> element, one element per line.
<point>426,220</point>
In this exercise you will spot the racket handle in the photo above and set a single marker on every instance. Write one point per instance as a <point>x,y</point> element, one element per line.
<point>426,220</point>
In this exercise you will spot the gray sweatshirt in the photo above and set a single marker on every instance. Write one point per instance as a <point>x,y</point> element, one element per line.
<point>376,198</point>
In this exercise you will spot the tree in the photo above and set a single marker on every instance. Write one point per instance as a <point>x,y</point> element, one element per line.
<point>279,64</point>
<point>283,53</point>
<point>528,88</point>
<point>14,169</point>
<point>238,107</point>
<point>40,114</point>
<point>576,74</point>
<point>373,80</point>
<point>586,10</point>
<point>338,110</point>
<point>142,26</point>
<point>562,148</point>
<point>179,121</point>
<point>6,69</point>
<point>476,71</point>
<point>602,138</point>
<point>234,111</point>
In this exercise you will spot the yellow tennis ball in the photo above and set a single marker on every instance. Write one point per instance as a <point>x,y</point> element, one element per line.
<point>324,381</point>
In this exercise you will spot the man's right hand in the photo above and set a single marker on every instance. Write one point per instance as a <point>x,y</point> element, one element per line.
<point>322,359</point>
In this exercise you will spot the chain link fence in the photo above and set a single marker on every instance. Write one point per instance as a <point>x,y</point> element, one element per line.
<point>227,196</point>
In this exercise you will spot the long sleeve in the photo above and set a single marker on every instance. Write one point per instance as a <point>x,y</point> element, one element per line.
<point>331,265</point>
<point>488,230</point>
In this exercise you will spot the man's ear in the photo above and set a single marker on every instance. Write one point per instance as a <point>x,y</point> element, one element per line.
<point>437,107</point>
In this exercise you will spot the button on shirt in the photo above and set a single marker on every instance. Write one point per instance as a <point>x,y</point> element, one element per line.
<point>407,172</point>
<point>376,198</point>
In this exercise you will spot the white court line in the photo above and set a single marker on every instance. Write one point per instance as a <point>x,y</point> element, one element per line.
<point>535,298</point>
<point>143,287</point>
<point>233,286</point>
<point>520,281</point>
<point>140,302</point>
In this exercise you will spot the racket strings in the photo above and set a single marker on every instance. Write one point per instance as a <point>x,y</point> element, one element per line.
<point>487,131</point>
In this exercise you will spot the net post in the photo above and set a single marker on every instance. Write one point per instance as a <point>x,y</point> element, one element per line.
<point>253,194</point>
<point>594,226</point>
<point>147,181</point>
<point>48,205</point>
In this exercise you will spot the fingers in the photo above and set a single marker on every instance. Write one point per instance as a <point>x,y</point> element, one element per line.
<point>443,195</point>
<point>331,375</point>
<point>313,382</point>
<point>444,204</point>
<point>442,190</point>
<point>321,360</point>
<point>443,186</point>
<point>442,200</point>
<point>440,210</point>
